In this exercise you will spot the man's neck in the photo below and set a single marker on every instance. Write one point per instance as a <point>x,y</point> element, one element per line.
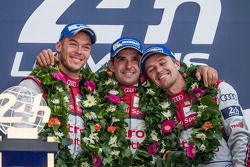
<point>72,75</point>
<point>177,87</point>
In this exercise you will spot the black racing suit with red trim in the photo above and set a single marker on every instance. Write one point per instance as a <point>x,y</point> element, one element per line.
<point>75,122</point>
<point>136,124</point>
<point>234,149</point>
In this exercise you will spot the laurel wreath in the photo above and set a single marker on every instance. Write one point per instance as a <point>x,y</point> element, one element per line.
<point>104,139</point>
<point>57,98</point>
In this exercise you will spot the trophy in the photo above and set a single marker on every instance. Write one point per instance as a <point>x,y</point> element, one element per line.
<point>23,114</point>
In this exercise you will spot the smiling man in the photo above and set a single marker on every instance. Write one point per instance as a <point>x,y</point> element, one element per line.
<point>124,63</point>
<point>73,50</point>
<point>160,65</point>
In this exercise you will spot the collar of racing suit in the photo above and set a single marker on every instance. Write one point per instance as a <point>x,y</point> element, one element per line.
<point>176,98</point>
<point>70,81</point>
<point>128,92</point>
<point>184,114</point>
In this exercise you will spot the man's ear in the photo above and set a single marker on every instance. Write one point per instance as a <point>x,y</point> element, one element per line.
<point>111,65</point>
<point>177,64</point>
<point>59,47</point>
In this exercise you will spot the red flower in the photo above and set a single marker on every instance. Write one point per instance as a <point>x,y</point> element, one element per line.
<point>59,77</point>
<point>191,151</point>
<point>207,125</point>
<point>111,129</point>
<point>54,121</point>
<point>90,85</point>
<point>197,92</point>
<point>167,127</point>
<point>97,160</point>
<point>153,149</point>
<point>113,98</point>
<point>97,127</point>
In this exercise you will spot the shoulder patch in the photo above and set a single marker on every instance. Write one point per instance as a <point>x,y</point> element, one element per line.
<point>231,112</point>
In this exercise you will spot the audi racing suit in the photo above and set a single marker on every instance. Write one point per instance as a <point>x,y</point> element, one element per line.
<point>136,124</point>
<point>234,148</point>
<point>75,122</point>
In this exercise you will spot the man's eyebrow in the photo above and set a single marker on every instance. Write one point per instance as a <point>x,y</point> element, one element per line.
<point>119,56</point>
<point>146,69</point>
<point>72,40</point>
<point>160,59</point>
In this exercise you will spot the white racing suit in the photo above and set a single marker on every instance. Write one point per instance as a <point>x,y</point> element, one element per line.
<point>136,125</point>
<point>75,122</point>
<point>234,149</point>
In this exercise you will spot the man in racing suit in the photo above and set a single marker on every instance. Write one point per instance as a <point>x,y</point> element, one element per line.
<point>159,64</point>
<point>73,50</point>
<point>125,54</point>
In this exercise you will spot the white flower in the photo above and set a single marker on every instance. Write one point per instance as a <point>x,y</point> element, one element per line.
<point>99,150</point>
<point>66,98</point>
<point>112,141</point>
<point>202,106</point>
<point>154,136</point>
<point>111,108</point>
<point>150,92</point>
<point>59,89</point>
<point>115,120</point>
<point>153,161</point>
<point>55,101</point>
<point>91,101</point>
<point>146,84</point>
<point>162,150</point>
<point>166,114</point>
<point>114,92</point>
<point>203,147</point>
<point>199,114</point>
<point>85,164</point>
<point>201,136</point>
<point>163,144</point>
<point>194,85</point>
<point>110,81</point>
<point>114,82</point>
<point>59,134</point>
<point>164,105</point>
<point>115,152</point>
<point>90,115</point>
<point>94,136</point>
<point>88,140</point>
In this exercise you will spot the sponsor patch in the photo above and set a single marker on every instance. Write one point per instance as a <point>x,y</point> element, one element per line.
<point>177,98</point>
<point>231,112</point>
<point>187,111</point>
<point>229,96</point>
<point>237,124</point>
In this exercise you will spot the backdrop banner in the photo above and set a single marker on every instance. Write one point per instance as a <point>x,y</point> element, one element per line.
<point>211,32</point>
